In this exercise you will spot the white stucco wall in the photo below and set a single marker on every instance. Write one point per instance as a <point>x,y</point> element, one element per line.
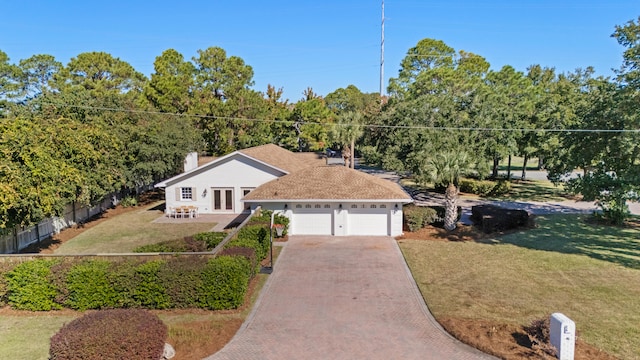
<point>236,173</point>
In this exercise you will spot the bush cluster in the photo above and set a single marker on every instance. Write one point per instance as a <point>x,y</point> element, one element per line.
<point>4,284</point>
<point>485,187</point>
<point>200,242</point>
<point>255,237</point>
<point>29,286</point>
<point>129,201</point>
<point>417,217</point>
<point>180,282</point>
<point>265,220</point>
<point>491,218</point>
<point>111,334</point>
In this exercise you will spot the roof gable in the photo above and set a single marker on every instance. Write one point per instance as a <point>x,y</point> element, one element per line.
<point>271,155</point>
<point>276,156</point>
<point>328,183</point>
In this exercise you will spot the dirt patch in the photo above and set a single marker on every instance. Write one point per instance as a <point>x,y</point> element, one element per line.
<point>432,233</point>
<point>509,341</point>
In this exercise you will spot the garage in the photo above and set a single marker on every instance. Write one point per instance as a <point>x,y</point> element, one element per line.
<point>370,220</point>
<point>312,220</point>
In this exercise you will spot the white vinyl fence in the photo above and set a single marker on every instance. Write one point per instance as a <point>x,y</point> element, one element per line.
<point>14,240</point>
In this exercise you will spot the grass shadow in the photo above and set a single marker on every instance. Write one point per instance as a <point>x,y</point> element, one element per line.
<point>572,234</point>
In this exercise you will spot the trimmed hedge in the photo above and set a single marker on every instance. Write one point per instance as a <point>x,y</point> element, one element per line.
<point>200,242</point>
<point>111,334</point>
<point>225,280</point>
<point>90,286</point>
<point>485,187</point>
<point>491,218</point>
<point>252,236</point>
<point>30,287</point>
<point>180,282</point>
<point>4,283</point>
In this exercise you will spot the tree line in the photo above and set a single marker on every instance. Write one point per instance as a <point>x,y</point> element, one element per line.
<point>78,131</point>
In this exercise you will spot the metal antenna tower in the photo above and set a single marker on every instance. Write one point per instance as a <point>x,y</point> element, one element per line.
<point>382,54</point>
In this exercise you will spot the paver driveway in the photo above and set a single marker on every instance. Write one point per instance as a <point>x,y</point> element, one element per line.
<point>342,298</point>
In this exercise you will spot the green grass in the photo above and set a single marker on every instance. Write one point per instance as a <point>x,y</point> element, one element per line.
<point>517,163</point>
<point>590,273</point>
<point>128,231</point>
<point>527,190</point>
<point>536,190</point>
<point>26,337</point>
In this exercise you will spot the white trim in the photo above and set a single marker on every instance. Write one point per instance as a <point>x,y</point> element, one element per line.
<point>213,163</point>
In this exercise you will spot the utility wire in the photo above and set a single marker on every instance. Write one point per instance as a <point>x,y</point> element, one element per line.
<point>370,126</point>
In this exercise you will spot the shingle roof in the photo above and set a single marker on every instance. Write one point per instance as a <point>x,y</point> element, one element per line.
<point>276,156</point>
<point>328,183</point>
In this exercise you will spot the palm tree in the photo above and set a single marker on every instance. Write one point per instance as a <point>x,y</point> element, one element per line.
<point>347,130</point>
<point>445,168</point>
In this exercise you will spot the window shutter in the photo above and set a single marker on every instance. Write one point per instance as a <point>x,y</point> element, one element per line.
<point>194,195</point>
<point>178,190</point>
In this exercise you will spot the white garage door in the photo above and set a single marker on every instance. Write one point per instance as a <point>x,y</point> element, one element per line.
<point>312,221</point>
<point>368,221</point>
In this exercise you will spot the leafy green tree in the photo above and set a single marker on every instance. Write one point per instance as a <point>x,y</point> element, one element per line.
<point>10,77</point>
<point>225,102</point>
<point>628,35</point>
<point>38,71</point>
<point>171,86</point>
<point>506,105</point>
<point>311,120</point>
<point>100,73</point>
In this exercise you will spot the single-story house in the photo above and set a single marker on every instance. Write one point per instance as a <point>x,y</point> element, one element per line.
<point>318,199</point>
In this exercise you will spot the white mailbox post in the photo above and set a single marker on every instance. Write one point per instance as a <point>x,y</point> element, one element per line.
<point>562,334</point>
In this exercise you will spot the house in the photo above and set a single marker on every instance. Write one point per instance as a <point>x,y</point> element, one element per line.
<point>318,199</point>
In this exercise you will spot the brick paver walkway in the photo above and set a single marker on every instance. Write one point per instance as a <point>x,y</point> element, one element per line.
<point>342,298</point>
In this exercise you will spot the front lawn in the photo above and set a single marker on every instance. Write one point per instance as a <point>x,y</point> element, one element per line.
<point>588,272</point>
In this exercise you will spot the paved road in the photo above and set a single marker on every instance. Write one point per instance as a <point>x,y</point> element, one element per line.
<point>342,298</point>
<point>533,207</point>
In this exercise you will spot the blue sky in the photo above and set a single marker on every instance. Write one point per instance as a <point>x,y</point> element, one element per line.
<point>322,44</point>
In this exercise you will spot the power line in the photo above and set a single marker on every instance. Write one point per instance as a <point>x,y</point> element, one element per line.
<point>369,126</point>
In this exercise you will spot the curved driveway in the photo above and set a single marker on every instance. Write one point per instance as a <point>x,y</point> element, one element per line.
<point>342,298</point>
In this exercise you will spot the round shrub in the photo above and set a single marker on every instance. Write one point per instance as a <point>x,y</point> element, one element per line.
<point>111,334</point>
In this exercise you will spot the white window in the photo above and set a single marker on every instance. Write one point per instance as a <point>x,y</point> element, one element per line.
<point>317,206</point>
<point>186,193</point>
<point>245,192</point>
<point>383,206</point>
<point>308,206</point>
<point>327,206</point>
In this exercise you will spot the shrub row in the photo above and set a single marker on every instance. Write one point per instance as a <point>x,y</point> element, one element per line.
<point>110,335</point>
<point>200,242</point>
<point>255,237</point>
<point>417,217</point>
<point>485,187</point>
<point>181,282</point>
